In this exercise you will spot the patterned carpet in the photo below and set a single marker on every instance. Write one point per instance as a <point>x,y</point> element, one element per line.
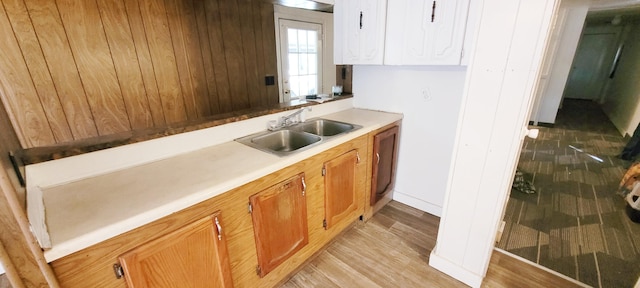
<point>575,223</point>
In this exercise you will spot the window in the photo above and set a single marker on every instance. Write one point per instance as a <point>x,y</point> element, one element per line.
<point>300,55</point>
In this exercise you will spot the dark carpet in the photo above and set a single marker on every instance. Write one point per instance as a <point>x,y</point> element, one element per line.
<point>575,223</point>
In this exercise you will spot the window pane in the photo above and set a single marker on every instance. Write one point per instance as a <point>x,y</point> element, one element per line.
<point>293,40</point>
<point>293,64</point>
<point>302,64</point>
<point>312,61</point>
<point>302,41</point>
<point>312,41</point>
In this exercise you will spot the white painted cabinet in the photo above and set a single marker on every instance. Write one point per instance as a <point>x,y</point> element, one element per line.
<point>359,28</point>
<point>425,32</point>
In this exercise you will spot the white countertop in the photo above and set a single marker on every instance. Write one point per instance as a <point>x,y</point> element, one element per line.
<point>84,212</point>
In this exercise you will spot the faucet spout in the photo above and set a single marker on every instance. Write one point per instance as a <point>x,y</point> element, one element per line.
<point>291,119</point>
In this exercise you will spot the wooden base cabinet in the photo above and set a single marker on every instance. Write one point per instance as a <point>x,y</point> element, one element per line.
<point>284,229</point>
<point>193,256</point>
<point>341,194</point>
<point>382,162</point>
<point>279,216</point>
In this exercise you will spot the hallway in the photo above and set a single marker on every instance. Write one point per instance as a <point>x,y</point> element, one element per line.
<point>575,223</point>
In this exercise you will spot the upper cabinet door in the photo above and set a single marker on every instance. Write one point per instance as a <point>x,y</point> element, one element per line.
<point>359,30</point>
<point>425,32</point>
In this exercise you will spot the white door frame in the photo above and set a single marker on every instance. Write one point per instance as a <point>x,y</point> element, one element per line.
<point>326,20</point>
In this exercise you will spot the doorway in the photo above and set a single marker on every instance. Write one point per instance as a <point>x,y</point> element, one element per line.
<point>575,223</point>
<point>301,58</point>
<point>591,60</point>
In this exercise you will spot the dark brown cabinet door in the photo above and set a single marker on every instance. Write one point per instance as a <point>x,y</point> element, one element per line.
<point>340,188</point>
<point>385,147</point>
<point>192,256</point>
<point>279,222</point>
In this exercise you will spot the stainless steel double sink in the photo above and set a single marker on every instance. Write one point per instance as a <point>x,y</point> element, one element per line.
<point>299,137</point>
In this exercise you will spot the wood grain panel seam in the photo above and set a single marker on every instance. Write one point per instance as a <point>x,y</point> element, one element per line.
<point>106,37</point>
<point>204,44</point>
<point>153,68</point>
<point>22,137</point>
<point>55,86</point>
<point>77,69</point>
<point>207,18</point>
<point>182,94</point>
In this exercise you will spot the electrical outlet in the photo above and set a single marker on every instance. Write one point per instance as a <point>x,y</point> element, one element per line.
<point>269,80</point>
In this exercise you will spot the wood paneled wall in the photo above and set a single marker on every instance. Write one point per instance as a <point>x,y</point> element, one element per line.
<point>76,69</point>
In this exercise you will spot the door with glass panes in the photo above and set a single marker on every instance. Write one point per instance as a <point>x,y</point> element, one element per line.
<point>301,58</point>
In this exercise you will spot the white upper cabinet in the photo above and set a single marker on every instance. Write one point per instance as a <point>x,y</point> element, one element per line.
<point>359,31</point>
<point>403,32</point>
<point>425,32</point>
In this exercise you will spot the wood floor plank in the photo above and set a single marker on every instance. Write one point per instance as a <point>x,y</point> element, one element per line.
<point>340,272</point>
<point>392,250</point>
<point>311,277</point>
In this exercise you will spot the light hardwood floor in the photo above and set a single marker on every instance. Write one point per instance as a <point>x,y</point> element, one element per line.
<point>392,250</point>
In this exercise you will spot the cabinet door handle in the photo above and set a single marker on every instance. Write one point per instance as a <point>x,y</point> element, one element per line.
<point>219,228</point>
<point>304,186</point>
<point>433,11</point>
<point>357,157</point>
<point>361,20</point>
<point>378,156</point>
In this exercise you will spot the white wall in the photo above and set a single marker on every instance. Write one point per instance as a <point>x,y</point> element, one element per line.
<point>622,102</point>
<point>429,97</point>
<point>569,22</point>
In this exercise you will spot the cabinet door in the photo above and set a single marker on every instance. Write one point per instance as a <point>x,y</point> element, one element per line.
<point>359,31</point>
<point>340,188</point>
<point>426,32</point>
<point>193,256</point>
<point>279,222</point>
<point>385,147</point>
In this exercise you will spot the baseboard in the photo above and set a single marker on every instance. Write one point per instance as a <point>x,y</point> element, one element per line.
<point>463,275</point>
<point>543,268</point>
<point>417,203</point>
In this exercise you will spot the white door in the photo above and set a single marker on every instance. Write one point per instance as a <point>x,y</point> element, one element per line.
<point>301,58</point>
<point>586,76</point>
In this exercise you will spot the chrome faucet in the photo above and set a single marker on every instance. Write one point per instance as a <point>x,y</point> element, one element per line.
<point>291,119</point>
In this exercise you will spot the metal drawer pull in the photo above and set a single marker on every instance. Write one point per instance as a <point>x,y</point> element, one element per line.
<point>219,228</point>
<point>304,186</point>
